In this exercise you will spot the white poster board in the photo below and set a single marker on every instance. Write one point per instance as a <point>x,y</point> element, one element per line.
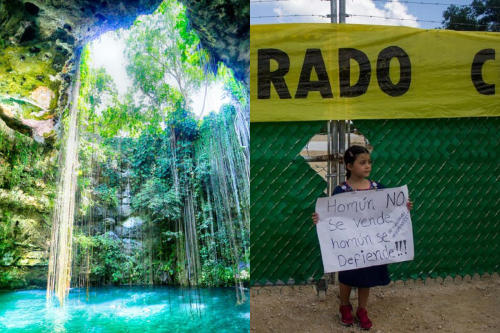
<point>364,228</point>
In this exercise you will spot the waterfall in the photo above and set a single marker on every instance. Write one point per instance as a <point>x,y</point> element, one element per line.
<point>59,272</point>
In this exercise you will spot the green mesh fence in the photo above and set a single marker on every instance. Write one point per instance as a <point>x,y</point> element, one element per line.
<point>451,166</point>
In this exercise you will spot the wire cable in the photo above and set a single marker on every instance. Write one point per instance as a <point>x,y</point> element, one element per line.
<point>423,3</point>
<point>416,20</point>
<point>289,15</point>
<point>427,3</point>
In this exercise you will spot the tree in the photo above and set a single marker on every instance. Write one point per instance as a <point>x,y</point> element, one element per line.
<point>480,15</point>
<point>165,56</point>
<point>186,178</point>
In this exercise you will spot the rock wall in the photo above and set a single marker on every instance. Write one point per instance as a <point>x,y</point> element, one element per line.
<point>38,43</point>
<point>224,30</point>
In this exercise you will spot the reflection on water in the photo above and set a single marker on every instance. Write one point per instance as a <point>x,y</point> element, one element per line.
<point>126,309</point>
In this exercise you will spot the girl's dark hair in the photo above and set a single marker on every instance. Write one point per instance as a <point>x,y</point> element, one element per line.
<point>351,154</point>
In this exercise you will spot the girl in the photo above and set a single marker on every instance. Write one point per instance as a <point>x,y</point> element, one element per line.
<point>358,165</point>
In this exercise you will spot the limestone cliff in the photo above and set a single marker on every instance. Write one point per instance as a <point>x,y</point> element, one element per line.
<point>224,30</point>
<point>38,43</point>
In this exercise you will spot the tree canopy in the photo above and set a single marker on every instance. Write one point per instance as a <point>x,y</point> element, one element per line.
<point>480,15</point>
<point>148,155</point>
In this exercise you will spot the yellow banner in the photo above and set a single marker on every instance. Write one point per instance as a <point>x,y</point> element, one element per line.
<point>302,72</point>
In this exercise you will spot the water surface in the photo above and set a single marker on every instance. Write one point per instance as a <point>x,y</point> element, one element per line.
<point>126,309</point>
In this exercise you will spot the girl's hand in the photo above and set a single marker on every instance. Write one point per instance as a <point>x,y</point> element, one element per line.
<point>409,204</point>
<point>315,218</point>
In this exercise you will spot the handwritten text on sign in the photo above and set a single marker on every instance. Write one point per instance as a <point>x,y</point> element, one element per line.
<point>364,228</point>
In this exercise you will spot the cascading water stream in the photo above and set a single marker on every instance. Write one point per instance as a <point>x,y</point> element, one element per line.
<point>59,271</point>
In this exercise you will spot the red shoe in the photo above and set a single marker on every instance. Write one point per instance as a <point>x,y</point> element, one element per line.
<point>364,322</point>
<point>346,318</point>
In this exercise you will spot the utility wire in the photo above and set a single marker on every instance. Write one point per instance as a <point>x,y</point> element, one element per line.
<point>369,16</point>
<point>290,15</point>
<point>416,20</point>
<point>425,3</point>
<point>374,16</point>
<point>394,18</point>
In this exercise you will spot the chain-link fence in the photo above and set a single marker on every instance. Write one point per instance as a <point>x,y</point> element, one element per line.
<point>451,166</point>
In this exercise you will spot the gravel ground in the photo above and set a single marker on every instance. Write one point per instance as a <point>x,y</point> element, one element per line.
<point>460,305</point>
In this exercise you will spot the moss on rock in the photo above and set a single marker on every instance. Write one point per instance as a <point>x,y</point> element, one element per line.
<point>39,42</point>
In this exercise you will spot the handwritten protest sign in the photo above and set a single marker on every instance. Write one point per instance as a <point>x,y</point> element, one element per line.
<point>364,228</point>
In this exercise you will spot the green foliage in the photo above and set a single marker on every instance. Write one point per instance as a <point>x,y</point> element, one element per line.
<point>10,252</point>
<point>101,111</point>
<point>149,160</point>
<point>106,195</point>
<point>159,201</point>
<point>216,274</point>
<point>107,260</point>
<point>481,15</point>
<point>150,143</point>
<point>24,163</point>
<point>165,59</point>
<point>183,124</point>
<point>12,278</point>
<point>27,190</point>
<point>238,91</point>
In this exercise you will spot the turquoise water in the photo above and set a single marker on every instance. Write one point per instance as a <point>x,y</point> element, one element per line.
<point>126,309</point>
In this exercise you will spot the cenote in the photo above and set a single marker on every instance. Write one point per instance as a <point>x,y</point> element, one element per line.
<point>124,194</point>
<point>125,309</point>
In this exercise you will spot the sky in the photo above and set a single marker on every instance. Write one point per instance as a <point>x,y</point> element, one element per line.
<point>108,51</point>
<point>411,13</point>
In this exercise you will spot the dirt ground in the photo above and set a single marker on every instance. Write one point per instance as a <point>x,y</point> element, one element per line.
<point>460,305</point>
